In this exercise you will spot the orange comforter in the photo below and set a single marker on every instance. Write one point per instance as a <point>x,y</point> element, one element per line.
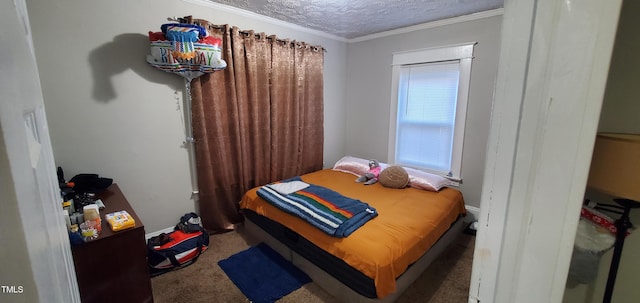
<point>409,222</point>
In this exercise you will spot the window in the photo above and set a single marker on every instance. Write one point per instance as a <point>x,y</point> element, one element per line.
<point>429,102</point>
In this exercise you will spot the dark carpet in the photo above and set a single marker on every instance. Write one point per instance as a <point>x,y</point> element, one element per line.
<point>445,281</point>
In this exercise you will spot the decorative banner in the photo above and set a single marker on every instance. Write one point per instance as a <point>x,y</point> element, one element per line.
<point>186,50</point>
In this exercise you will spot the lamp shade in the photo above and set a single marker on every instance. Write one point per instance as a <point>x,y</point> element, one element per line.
<point>615,165</point>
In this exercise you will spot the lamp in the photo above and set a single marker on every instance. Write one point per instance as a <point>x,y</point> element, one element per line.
<point>615,170</point>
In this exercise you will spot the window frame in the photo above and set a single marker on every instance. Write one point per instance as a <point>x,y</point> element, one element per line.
<point>463,53</point>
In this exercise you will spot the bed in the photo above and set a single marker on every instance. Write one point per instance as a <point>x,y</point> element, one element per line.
<point>381,258</point>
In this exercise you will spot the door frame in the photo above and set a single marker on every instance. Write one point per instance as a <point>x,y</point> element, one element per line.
<point>36,250</point>
<point>553,69</point>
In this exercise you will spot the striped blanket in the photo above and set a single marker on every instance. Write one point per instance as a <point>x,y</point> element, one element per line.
<point>329,211</point>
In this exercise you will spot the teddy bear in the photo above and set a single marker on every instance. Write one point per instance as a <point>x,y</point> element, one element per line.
<point>371,176</point>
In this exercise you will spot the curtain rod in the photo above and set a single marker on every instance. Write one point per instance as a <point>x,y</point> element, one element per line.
<point>190,20</point>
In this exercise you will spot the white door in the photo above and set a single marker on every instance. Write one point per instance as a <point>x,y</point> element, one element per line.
<point>36,258</point>
<point>554,62</point>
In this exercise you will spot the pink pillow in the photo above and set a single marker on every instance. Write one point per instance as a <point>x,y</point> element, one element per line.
<point>417,178</point>
<point>427,181</point>
<point>352,165</point>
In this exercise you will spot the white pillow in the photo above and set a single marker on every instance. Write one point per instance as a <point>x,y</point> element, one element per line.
<point>427,181</point>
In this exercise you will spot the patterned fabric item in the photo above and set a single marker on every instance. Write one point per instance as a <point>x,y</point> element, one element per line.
<point>273,136</point>
<point>600,219</point>
<point>329,211</point>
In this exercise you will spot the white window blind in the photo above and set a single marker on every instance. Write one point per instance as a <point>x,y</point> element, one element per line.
<point>427,98</point>
<point>428,112</point>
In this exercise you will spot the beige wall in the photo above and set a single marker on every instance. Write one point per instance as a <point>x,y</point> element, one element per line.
<point>369,92</point>
<point>112,114</point>
<point>620,110</point>
<point>621,105</point>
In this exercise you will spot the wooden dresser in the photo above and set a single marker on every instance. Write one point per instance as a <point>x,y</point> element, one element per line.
<point>113,267</point>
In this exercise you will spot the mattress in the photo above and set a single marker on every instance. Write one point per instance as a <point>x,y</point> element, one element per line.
<point>334,266</point>
<point>409,222</point>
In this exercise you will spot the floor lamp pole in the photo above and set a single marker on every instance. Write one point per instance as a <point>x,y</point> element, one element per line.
<point>622,226</point>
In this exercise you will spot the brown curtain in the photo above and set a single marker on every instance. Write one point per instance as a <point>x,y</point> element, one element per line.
<point>258,121</point>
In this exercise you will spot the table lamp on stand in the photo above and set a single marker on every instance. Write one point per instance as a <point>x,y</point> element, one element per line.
<point>615,171</point>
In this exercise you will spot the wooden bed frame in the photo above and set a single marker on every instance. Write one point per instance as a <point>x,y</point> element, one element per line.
<point>336,288</point>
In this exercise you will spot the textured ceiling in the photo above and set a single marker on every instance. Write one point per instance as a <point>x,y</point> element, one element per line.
<point>356,18</point>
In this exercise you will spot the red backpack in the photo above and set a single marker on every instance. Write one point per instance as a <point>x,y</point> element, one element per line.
<point>178,249</point>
